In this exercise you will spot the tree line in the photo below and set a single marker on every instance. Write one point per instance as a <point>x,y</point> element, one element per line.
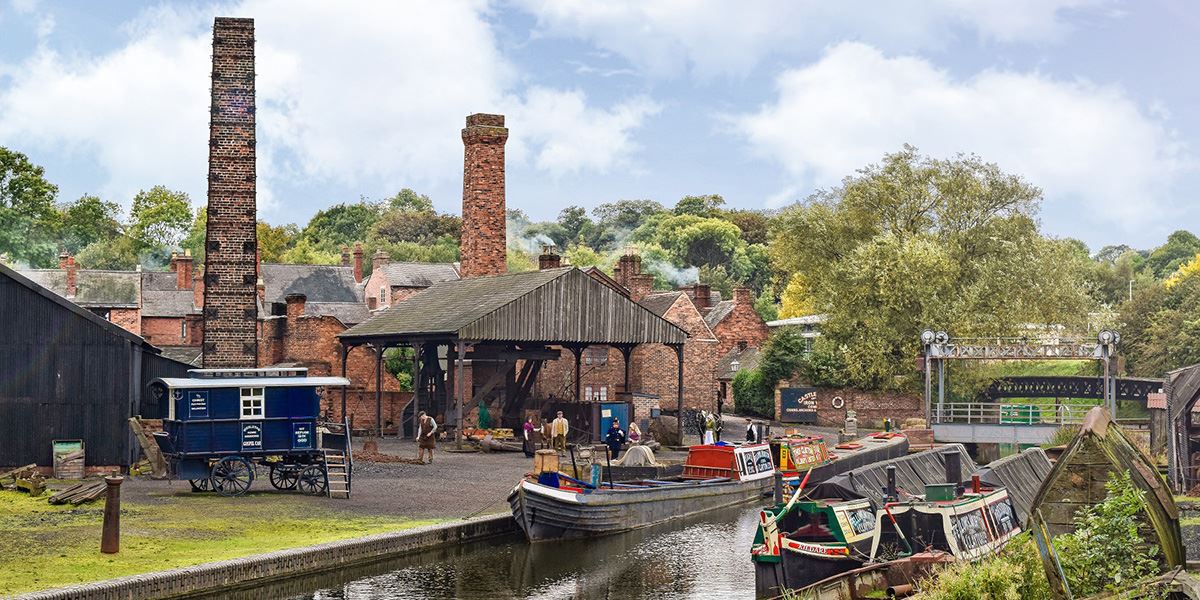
<point>903,244</point>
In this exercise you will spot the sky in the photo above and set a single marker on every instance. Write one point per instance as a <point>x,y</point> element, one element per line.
<point>1097,102</point>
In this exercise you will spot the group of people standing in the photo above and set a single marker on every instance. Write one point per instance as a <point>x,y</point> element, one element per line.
<point>553,434</point>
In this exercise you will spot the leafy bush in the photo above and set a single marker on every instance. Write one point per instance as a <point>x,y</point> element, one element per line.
<point>1015,574</point>
<point>1105,552</point>
<point>753,395</point>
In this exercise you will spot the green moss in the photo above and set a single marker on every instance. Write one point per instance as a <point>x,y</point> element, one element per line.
<point>49,546</point>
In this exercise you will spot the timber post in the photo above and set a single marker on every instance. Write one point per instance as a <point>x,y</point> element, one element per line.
<point>460,350</point>
<point>345,354</point>
<point>679,391</point>
<point>110,538</point>
<point>379,391</point>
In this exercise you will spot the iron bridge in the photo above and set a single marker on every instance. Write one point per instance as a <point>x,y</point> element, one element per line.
<point>1128,388</point>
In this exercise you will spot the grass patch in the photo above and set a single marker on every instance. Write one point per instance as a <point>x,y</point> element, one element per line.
<point>49,546</point>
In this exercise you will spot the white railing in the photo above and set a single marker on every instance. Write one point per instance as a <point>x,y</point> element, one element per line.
<point>993,413</point>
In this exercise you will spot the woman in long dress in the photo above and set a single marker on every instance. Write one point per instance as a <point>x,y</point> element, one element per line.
<point>426,440</point>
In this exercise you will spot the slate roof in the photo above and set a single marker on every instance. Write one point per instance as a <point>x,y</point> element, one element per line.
<point>21,279</point>
<point>1185,385</point>
<point>93,288</point>
<point>185,354</point>
<point>319,283</point>
<point>174,303</point>
<point>718,312</point>
<point>349,313</point>
<point>747,359</point>
<point>416,274</point>
<point>160,281</point>
<point>553,305</point>
<point>660,303</point>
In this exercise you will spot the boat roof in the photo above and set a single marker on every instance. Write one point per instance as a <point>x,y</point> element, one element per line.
<point>238,382</point>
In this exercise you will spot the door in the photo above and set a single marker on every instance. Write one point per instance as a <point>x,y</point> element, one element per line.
<point>610,410</point>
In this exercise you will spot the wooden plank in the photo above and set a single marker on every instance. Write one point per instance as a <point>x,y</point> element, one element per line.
<point>150,447</point>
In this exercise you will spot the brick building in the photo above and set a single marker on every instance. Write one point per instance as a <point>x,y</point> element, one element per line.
<point>391,282</point>
<point>114,296</point>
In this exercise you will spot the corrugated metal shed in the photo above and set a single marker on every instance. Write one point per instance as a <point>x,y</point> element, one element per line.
<point>68,374</point>
<point>561,305</point>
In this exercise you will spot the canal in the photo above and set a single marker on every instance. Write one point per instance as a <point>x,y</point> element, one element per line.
<point>701,557</point>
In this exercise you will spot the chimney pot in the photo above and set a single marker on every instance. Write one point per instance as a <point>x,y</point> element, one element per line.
<point>358,263</point>
<point>741,296</point>
<point>550,258</point>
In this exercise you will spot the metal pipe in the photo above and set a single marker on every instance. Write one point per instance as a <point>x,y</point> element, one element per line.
<point>110,538</point>
<point>976,484</point>
<point>778,487</point>
<point>891,483</point>
<point>953,466</point>
<point>902,590</point>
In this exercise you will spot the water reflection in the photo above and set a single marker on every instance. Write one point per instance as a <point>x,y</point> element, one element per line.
<point>705,557</point>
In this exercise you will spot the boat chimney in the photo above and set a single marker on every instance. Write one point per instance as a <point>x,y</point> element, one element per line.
<point>976,484</point>
<point>890,496</point>
<point>953,464</point>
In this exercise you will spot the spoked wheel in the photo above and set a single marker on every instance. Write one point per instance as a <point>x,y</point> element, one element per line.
<point>312,480</point>
<point>285,477</point>
<point>232,476</point>
<point>201,485</point>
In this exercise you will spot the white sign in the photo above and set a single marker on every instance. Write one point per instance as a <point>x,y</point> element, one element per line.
<point>754,462</point>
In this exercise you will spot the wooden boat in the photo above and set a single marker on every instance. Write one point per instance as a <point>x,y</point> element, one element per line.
<point>811,456</point>
<point>802,543</point>
<point>554,506</point>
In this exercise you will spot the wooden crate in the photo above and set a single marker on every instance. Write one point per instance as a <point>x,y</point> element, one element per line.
<point>68,459</point>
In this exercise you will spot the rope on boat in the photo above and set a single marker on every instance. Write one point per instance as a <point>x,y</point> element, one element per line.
<point>480,511</point>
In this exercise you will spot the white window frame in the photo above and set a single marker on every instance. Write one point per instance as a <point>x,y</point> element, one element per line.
<point>183,329</point>
<point>383,299</point>
<point>253,403</point>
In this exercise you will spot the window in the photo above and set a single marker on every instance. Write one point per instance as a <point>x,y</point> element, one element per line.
<point>595,355</point>
<point>383,294</point>
<point>183,330</point>
<point>252,403</point>
<point>595,394</point>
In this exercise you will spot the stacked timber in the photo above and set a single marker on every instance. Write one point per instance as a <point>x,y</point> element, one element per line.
<point>79,493</point>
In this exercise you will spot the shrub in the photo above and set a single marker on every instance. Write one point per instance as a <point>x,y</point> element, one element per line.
<point>753,395</point>
<point>1014,574</point>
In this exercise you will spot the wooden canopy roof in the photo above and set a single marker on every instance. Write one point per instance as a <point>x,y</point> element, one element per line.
<point>553,306</point>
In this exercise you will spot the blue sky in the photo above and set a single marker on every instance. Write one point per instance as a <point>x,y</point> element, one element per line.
<point>1095,101</point>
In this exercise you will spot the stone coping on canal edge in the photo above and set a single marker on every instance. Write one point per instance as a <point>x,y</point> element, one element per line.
<point>213,576</point>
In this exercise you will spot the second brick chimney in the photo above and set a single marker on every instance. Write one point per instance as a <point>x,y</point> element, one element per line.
<point>182,265</point>
<point>295,305</point>
<point>702,296</point>
<point>484,250</point>
<point>345,256</point>
<point>742,297</point>
<point>66,262</point>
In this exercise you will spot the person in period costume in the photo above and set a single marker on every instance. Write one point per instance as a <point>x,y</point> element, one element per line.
<point>426,440</point>
<point>527,445</point>
<point>710,428</point>
<point>615,439</point>
<point>751,432</point>
<point>559,429</point>
<point>546,436</point>
<point>635,433</point>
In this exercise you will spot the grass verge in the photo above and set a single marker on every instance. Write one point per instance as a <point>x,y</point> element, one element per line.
<point>50,546</point>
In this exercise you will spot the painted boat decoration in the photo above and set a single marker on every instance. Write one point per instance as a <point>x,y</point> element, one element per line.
<point>554,506</point>
<point>798,456</point>
<point>799,544</point>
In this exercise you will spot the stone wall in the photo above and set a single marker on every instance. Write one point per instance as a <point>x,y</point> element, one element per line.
<point>484,249</point>
<point>231,242</point>
<point>870,407</point>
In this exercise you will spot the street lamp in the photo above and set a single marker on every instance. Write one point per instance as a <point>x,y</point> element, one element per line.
<point>735,365</point>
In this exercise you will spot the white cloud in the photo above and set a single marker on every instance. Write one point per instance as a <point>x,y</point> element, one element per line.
<point>372,97</point>
<point>1086,145</point>
<point>568,136</point>
<point>668,37</point>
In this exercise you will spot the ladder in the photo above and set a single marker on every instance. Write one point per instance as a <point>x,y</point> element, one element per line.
<point>339,464</point>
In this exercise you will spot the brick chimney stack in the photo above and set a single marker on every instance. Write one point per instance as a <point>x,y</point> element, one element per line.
<point>702,296</point>
<point>358,263</point>
<point>628,267</point>
<point>483,212</point>
<point>742,297</point>
<point>378,260</point>
<point>295,305</point>
<point>231,244</point>
<point>549,259</point>
<point>198,288</point>
<point>66,262</point>
<point>182,265</point>
<point>345,256</point>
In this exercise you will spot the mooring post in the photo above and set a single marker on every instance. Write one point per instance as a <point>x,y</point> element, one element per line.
<point>778,488</point>
<point>110,539</point>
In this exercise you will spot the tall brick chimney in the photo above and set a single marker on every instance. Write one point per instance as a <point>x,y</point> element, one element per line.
<point>231,245</point>
<point>198,288</point>
<point>182,265</point>
<point>358,263</point>
<point>295,305</point>
<point>66,262</point>
<point>549,258</point>
<point>483,229</point>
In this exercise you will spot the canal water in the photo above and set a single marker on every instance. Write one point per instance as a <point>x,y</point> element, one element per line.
<point>702,557</point>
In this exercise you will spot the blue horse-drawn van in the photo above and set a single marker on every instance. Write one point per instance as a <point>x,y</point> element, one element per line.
<point>219,425</point>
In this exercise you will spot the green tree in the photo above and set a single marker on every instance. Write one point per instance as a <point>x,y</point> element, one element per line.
<point>699,206</point>
<point>341,225</point>
<point>419,227</point>
<point>159,218</point>
<point>88,220</point>
<point>573,219</point>
<point>274,241</point>
<point>915,242</point>
<point>626,215</point>
<point>28,219</point>
<point>194,240</point>
<point>1181,247</point>
<point>305,252</point>
<point>119,253</point>
<point>754,224</point>
<point>407,200</point>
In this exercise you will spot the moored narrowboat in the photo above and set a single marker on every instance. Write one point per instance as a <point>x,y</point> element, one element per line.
<point>802,543</point>
<point>812,457</point>
<point>554,506</point>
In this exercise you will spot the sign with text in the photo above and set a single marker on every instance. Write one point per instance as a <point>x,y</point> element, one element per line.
<point>197,405</point>
<point>252,438</point>
<point>798,405</point>
<point>754,462</point>
<point>302,436</point>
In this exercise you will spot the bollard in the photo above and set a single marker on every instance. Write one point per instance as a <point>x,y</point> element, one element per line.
<point>110,539</point>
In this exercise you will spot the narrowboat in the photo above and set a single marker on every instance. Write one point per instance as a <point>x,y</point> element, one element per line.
<point>554,506</point>
<point>811,456</point>
<point>804,542</point>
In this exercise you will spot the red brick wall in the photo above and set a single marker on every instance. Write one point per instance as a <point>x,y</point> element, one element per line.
<point>656,366</point>
<point>376,280</point>
<point>231,242</point>
<point>483,239</point>
<point>165,331</point>
<point>741,325</point>
<point>870,407</point>
<point>128,319</point>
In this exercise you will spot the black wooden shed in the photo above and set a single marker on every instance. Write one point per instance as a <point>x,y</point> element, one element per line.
<point>66,373</point>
